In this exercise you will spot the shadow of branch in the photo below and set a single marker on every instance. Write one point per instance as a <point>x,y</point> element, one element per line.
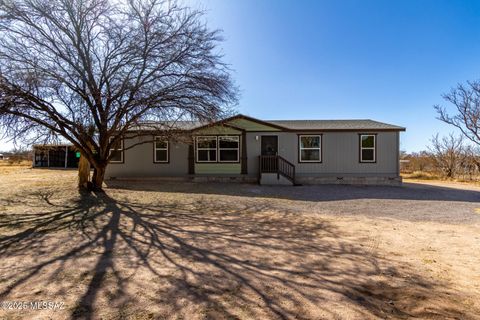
<point>216,259</point>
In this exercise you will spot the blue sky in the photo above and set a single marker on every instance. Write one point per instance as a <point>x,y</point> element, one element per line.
<point>385,60</point>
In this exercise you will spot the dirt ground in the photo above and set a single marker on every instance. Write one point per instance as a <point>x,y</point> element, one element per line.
<point>165,250</point>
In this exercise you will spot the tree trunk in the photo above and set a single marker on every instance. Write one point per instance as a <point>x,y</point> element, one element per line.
<point>83,172</point>
<point>98,177</point>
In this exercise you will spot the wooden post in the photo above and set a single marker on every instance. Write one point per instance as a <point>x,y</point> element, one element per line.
<point>191,159</point>
<point>66,156</point>
<point>48,157</point>
<point>244,153</point>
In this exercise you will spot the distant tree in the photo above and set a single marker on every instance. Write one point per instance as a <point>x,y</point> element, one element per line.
<point>418,161</point>
<point>448,153</point>
<point>466,117</point>
<point>471,163</point>
<point>87,71</point>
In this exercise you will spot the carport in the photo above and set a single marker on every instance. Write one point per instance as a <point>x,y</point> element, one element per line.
<point>55,156</point>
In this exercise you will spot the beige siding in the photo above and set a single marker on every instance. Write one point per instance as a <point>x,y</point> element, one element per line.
<point>217,168</point>
<point>251,125</point>
<point>216,130</point>
<point>340,154</point>
<point>138,161</point>
<point>340,157</point>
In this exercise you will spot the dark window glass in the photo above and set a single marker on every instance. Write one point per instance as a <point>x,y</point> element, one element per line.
<point>368,141</point>
<point>161,155</point>
<point>116,155</point>
<point>368,155</point>
<point>117,145</point>
<point>310,155</point>
<point>310,142</point>
<point>161,144</point>
<point>116,151</point>
<point>206,143</point>
<point>228,142</point>
<point>207,155</point>
<point>228,155</point>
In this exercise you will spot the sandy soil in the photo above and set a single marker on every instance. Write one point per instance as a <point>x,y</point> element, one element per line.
<point>163,250</point>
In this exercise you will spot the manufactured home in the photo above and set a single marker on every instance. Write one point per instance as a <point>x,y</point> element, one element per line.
<point>246,149</point>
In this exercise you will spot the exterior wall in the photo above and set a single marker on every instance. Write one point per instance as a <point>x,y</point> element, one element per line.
<point>138,161</point>
<point>217,130</point>
<point>340,159</point>
<point>251,126</point>
<point>218,168</point>
<point>340,154</point>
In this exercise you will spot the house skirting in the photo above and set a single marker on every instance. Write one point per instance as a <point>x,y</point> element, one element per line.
<point>194,178</point>
<point>351,180</point>
<point>241,178</point>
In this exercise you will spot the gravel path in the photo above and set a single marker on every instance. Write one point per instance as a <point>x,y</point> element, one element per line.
<point>164,250</point>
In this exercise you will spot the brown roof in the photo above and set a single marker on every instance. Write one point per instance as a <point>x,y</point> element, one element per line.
<point>295,125</point>
<point>364,124</point>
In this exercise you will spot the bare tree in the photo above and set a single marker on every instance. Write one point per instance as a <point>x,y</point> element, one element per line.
<point>448,153</point>
<point>466,100</point>
<point>87,71</point>
<point>471,165</point>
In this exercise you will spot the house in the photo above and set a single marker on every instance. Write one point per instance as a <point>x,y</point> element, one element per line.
<point>2,156</point>
<point>245,149</point>
<point>55,156</point>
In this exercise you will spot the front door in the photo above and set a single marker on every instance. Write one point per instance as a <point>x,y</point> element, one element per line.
<point>269,145</point>
<point>268,159</point>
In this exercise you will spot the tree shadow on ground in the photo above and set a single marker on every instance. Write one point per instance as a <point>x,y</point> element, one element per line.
<point>113,256</point>
<point>408,191</point>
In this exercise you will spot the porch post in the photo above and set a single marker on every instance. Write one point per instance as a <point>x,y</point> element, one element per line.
<point>66,156</point>
<point>244,153</point>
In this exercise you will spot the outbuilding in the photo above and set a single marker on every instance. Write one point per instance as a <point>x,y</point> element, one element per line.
<point>55,156</point>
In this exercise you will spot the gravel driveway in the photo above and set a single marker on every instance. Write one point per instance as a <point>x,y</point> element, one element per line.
<point>164,250</point>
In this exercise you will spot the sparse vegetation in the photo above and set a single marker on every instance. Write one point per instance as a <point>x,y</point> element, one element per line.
<point>223,251</point>
<point>448,158</point>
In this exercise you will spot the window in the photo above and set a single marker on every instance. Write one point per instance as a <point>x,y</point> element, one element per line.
<point>367,147</point>
<point>310,148</point>
<point>207,149</point>
<point>116,150</point>
<point>228,148</point>
<point>160,146</point>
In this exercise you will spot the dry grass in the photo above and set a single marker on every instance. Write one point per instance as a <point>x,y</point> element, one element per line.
<point>192,251</point>
<point>428,176</point>
<point>421,175</point>
<point>7,166</point>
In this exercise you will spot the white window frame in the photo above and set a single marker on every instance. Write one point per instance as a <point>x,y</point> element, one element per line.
<point>209,149</point>
<point>300,148</point>
<point>220,149</point>
<point>120,150</point>
<point>368,148</point>
<point>162,139</point>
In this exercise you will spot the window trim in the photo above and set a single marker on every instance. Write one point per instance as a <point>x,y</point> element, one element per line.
<point>320,148</point>
<point>374,148</point>
<point>216,136</point>
<point>122,151</point>
<point>197,149</point>
<point>219,149</point>
<point>155,149</point>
